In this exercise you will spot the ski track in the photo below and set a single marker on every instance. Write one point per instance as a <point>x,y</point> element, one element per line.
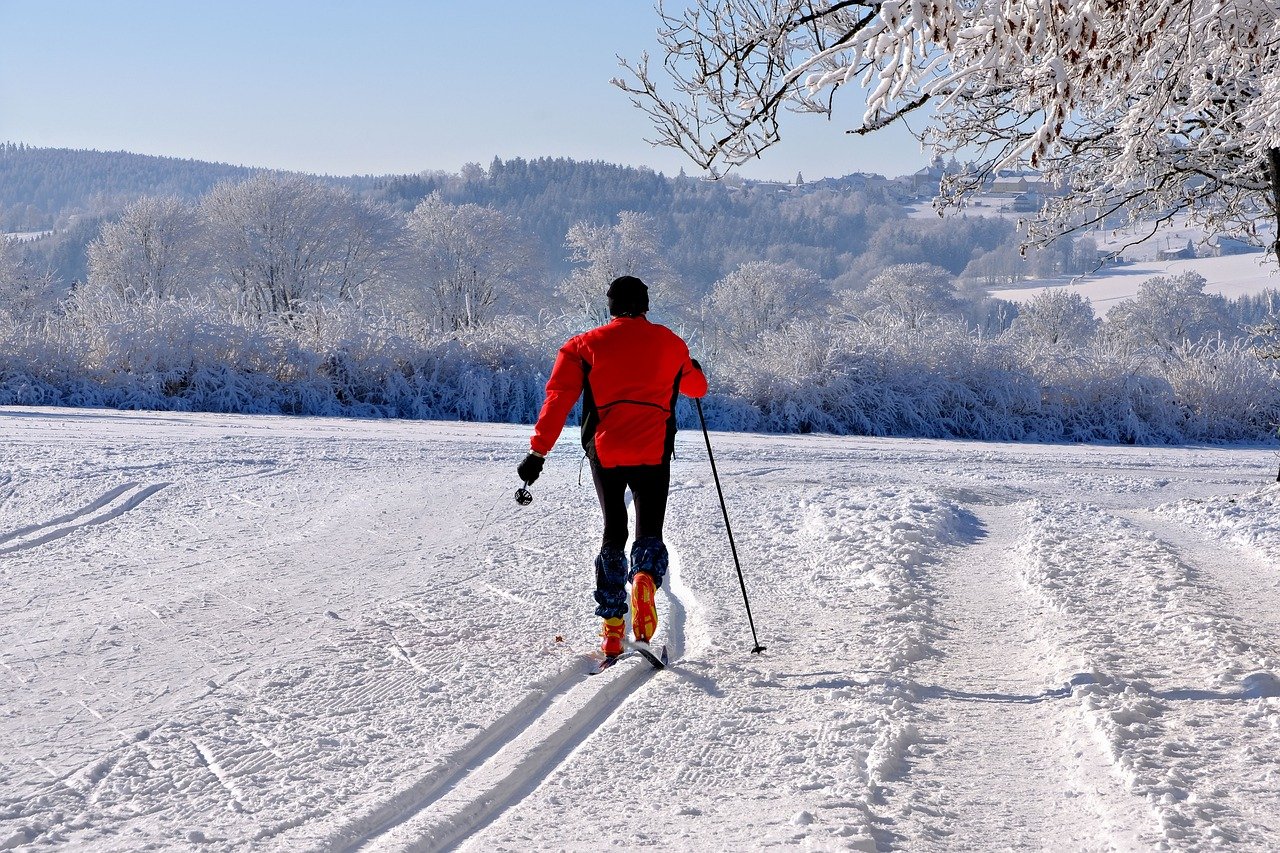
<point>1243,580</point>
<point>81,518</point>
<point>508,761</point>
<point>1163,668</point>
<point>849,729</point>
<point>307,645</point>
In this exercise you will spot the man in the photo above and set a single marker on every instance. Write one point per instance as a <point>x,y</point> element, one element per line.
<point>629,373</point>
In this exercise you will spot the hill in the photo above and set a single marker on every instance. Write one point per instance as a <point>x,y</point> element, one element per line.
<point>706,228</point>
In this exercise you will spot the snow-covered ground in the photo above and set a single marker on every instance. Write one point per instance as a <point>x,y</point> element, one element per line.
<point>224,633</point>
<point>1231,276</point>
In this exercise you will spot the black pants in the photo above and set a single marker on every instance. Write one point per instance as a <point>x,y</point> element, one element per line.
<point>649,485</point>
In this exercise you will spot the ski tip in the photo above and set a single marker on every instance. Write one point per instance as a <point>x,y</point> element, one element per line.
<point>647,652</point>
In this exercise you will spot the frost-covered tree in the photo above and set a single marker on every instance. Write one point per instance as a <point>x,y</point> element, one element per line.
<point>760,297</point>
<point>604,252</point>
<point>1168,312</point>
<point>1009,263</point>
<point>149,252</point>
<point>469,259</point>
<point>283,243</point>
<point>1148,106</point>
<point>908,294</point>
<point>1266,341</point>
<point>26,291</point>
<point>1059,319</point>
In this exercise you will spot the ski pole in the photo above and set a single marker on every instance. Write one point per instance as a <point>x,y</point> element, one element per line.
<point>732,547</point>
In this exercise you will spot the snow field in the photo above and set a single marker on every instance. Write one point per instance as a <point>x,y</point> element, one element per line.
<point>1250,521</point>
<point>845,730</point>
<point>312,634</point>
<point>1230,276</point>
<point>247,576</point>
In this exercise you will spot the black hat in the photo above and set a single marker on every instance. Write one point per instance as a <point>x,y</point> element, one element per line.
<point>628,297</point>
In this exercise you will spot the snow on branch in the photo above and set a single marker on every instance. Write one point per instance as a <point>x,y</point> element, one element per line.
<point>1168,105</point>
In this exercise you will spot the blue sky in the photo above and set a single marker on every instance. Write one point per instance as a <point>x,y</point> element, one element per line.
<point>373,87</point>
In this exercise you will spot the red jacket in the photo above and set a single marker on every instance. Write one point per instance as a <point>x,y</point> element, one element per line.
<point>629,374</point>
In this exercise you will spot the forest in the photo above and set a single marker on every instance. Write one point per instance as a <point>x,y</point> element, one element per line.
<point>169,284</point>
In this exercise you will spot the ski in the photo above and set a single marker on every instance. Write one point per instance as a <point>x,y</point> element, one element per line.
<point>605,663</point>
<point>656,659</point>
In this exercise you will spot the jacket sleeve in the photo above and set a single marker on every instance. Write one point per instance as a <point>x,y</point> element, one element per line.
<point>563,389</point>
<point>693,382</point>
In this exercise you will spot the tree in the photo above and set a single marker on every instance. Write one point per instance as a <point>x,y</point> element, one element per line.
<point>1154,107</point>
<point>1058,319</point>
<point>285,242</point>
<point>630,247</point>
<point>1002,265</point>
<point>25,291</point>
<point>949,243</point>
<point>148,252</point>
<point>1169,311</point>
<point>908,294</point>
<point>470,258</point>
<point>760,297</point>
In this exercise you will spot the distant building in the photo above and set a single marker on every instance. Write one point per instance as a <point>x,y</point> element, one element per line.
<point>856,182</point>
<point>1184,253</point>
<point>1014,185</point>
<point>1018,183</point>
<point>1026,202</point>
<point>926,182</point>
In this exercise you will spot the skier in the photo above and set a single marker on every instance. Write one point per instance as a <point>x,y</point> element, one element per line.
<point>629,374</point>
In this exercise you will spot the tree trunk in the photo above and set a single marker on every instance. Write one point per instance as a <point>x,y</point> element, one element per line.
<point>1273,159</point>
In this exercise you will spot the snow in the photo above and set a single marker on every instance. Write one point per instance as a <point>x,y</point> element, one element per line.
<point>1252,522</point>
<point>1231,276</point>
<point>241,632</point>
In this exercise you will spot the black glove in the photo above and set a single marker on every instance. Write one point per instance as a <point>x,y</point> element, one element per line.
<point>530,468</point>
<point>696,365</point>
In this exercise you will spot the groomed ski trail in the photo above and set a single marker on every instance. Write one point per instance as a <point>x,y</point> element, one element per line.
<point>508,762</point>
<point>1008,759</point>
<point>1178,691</point>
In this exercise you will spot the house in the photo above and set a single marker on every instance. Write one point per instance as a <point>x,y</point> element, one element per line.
<point>926,182</point>
<point>1014,185</point>
<point>1017,183</point>
<point>1027,202</point>
<point>1182,253</point>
